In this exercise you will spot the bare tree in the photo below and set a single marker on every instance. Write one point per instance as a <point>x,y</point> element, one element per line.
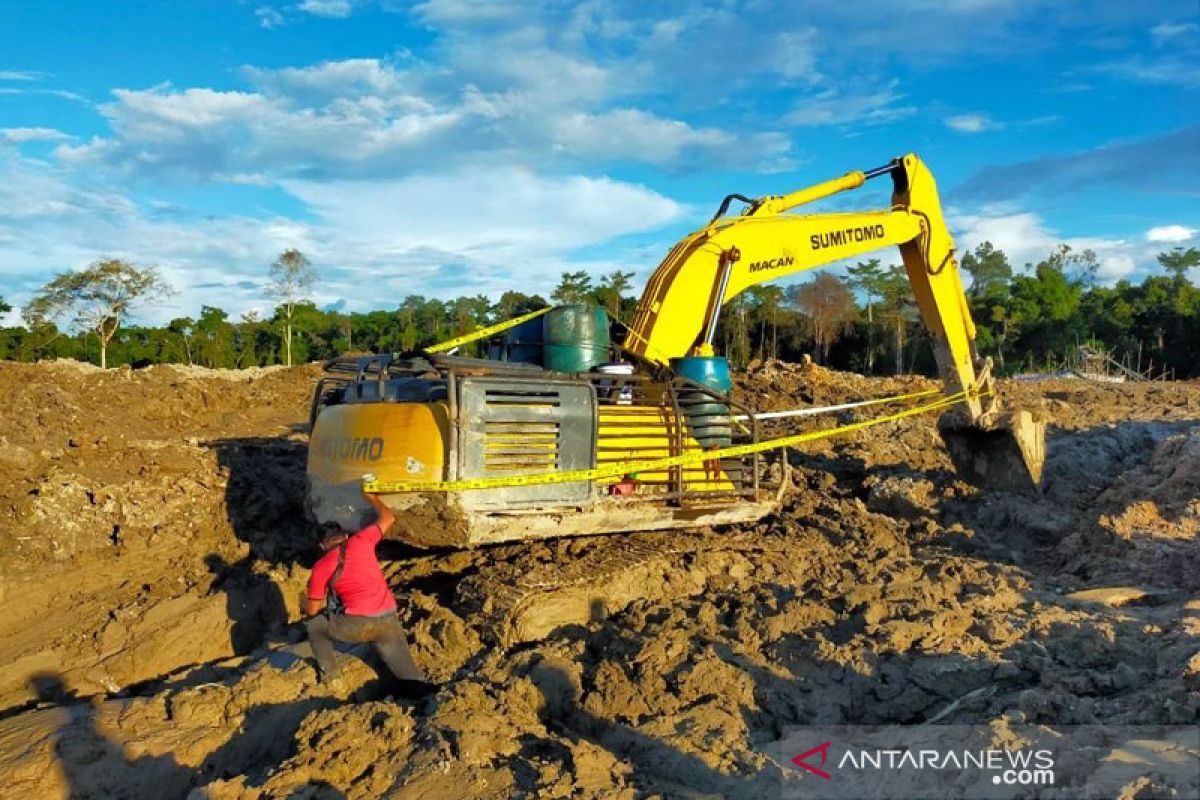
<point>829,305</point>
<point>897,309</point>
<point>292,279</point>
<point>97,298</point>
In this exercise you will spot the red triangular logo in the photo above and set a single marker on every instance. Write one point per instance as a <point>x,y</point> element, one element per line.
<point>823,749</point>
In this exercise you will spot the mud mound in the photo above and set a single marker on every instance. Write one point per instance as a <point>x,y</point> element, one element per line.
<point>150,518</point>
<point>884,591</point>
<point>1163,498</point>
<point>779,385</point>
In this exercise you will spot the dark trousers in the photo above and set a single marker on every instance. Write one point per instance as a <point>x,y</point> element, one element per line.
<point>384,632</point>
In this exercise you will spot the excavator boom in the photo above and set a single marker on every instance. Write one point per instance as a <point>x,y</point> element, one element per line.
<point>732,253</point>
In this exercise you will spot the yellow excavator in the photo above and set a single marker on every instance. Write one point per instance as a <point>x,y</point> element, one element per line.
<point>472,447</point>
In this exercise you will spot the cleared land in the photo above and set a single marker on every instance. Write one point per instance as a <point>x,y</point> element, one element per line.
<point>155,549</point>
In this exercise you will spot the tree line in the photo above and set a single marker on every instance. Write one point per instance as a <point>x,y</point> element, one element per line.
<point>1027,320</point>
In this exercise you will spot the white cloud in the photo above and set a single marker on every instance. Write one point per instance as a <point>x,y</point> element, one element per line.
<point>1170,233</point>
<point>60,93</point>
<point>484,212</point>
<point>269,17</point>
<point>161,110</point>
<point>329,80</point>
<point>21,135</point>
<point>327,8</point>
<point>468,231</point>
<point>612,132</point>
<point>1166,70</point>
<point>366,117</point>
<point>466,11</point>
<point>1022,235</point>
<point>20,75</point>
<point>1115,266</point>
<point>971,123</point>
<point>1166,31</point>
<point>830,107</point>
<point>1026,239</point>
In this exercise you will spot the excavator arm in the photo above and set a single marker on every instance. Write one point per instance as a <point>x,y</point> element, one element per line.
<point>678,312</point>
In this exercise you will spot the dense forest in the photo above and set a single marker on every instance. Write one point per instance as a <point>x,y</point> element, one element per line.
<point>1029,319</point>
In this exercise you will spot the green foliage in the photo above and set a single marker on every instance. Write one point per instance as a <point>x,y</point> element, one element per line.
<point>989,270</point>
<point>514,304</point>
<point>612,293</point>
<point>1029,320</point>
<point>97,298</point>
<point>1179,261</point>
<point>869,278</point>
<point>1079,268</point>
<point>573,287</point>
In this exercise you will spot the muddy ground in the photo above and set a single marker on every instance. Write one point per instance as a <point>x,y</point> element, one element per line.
<point>154,551</point>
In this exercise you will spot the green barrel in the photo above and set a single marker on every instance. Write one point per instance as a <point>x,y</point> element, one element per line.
<point>707,419</point>
<point>576,338</point>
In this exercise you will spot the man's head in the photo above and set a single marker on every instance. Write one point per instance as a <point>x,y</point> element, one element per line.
<point>332,535</point>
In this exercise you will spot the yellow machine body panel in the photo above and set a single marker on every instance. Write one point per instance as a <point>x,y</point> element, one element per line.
<point>643,433</point>
<point>394,441</point>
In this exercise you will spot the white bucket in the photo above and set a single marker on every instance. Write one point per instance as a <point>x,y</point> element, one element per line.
<point>615,368</point>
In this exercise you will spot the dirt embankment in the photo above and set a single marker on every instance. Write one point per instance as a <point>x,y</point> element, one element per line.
<point>149,518</point>
<point>886,590</point>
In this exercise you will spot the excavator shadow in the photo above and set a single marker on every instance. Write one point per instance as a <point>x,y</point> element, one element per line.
<point>1097,480</point>
<point>264,497</point>
<point>94,764</point>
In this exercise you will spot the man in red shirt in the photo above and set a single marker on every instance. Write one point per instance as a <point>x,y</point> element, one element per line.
<point>360,606</point>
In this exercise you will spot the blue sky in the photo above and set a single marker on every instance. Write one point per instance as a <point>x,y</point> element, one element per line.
<point>454,146</point>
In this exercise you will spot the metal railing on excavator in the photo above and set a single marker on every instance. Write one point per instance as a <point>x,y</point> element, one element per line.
<point>639,418</point>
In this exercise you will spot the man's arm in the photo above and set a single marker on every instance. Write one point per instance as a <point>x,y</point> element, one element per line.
<point>384,516</point>
<point>318,581</point>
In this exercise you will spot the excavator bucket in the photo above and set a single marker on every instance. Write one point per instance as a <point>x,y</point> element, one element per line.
<point>1007,455</point>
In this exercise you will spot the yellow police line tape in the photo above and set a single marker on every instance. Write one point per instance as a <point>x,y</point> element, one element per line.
<point>482,333</point>
<point>375,486</point>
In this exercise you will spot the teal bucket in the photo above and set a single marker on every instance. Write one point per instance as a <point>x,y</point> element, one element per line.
<point>711,371</point>
<point>706,418</point>
<point>576,338</point>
